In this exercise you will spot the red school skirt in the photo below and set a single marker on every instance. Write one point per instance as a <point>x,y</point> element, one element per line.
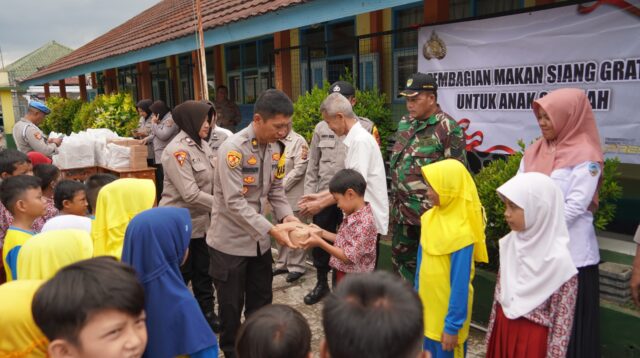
<point>516,338</point>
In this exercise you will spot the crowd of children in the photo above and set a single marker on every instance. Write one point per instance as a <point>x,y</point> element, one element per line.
<point>94,270</point>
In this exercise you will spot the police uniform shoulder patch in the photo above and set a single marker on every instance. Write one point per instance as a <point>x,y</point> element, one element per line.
<point>180,156</point>
<point>305,152</point>
<point>37,135</point>
<point>234,159</point>
<point>252,160</point>
<point>594,168</point>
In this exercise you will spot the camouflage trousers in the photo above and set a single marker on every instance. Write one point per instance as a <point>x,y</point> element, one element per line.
<point>404,248</point>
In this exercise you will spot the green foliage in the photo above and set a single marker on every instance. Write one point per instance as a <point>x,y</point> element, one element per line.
<point>306,111</point>
<point>498,172</point>
<point>487,181</point>
<point>373,105</point>
<point>116,112</point>
<point>370,104</point>
<point>610,192</point>
<point>63,111</point>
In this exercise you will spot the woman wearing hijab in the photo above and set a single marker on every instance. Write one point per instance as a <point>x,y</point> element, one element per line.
<point>452,238</point>
<point>118,202</point>
<point>45,253</point>
<point>570,153</point>
<point>163,129</point>
<point>20,336</point>
<point>537,284</point>
<point>156,243</point>
<point>217,134</point>
<point>144,127</point>
<point>188,183</point>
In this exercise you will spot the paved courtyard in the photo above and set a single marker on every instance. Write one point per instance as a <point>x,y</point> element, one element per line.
<point>292,294</point>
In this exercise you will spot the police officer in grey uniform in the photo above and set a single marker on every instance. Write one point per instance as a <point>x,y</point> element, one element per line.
<point>218,134</point>
<point>296,158</point>
<point>29,137</point>
<point>188,183</point>
<point>249,175</point>
<point>326,157</point>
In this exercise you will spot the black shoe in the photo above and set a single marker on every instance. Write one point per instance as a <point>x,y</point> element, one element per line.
<point>294,276</point>
<point>214,322</point>
<point>318,293</point>
<point>277,272</point>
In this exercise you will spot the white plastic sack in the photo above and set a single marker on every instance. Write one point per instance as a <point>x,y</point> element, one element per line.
<point>100,137</point>
<point>118,156</point>
<point>76,151</point>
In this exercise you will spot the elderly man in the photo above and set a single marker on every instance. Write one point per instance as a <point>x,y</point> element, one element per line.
<point>29,137</point>
<point>326,157</point>
<point>362,154</point>
<point>426,136</point>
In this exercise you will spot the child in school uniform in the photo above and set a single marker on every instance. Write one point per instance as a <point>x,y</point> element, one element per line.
<point>354,246</point>
<point>275,331</point>
<point>12,162</point>
<point>118,202</point>
<point>47,252</point>
<point>49,175</point>
<point>70,198</point>
<point>156,243</point>
<point>94,183</point>
<point>451,240</point>
<point>22,196</point>
<point>537,286</point>
<point>105,318</point>
<point>21,337</point>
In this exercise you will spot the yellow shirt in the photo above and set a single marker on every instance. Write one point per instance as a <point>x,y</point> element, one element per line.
<point>13,242</point>
<point>20,336</point>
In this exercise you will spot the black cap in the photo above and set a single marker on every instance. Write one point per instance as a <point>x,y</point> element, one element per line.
<point>419,82</point>
<point>343,87</point>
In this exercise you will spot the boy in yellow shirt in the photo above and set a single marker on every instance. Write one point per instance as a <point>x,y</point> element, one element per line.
<point>22,196</point>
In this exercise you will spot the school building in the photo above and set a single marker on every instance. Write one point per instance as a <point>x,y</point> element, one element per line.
<point>253,45</point>
<point>292,45</point>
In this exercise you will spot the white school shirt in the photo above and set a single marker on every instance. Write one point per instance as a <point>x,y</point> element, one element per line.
<point>578,184</point>
<point>363,155</point>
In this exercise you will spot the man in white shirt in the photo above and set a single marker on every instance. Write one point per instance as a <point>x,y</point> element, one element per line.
<point>363,155</point>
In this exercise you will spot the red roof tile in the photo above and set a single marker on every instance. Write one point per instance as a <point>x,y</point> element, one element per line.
<point>165,21</point>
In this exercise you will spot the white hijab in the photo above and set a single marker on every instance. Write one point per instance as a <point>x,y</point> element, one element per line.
<point>63,222</point>
<point>536,262</point>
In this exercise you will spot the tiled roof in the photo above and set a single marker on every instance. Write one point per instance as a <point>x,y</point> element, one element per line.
<point>31,63</point>
<point>165,21</point>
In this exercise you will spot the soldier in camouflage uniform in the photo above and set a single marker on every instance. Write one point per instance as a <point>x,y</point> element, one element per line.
<point>427,135</point>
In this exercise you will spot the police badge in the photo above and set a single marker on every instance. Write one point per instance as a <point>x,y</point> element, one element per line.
<point>434,48</point>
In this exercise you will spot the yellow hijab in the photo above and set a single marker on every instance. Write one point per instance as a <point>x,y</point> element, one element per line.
<point>45,253</point>
<point>20,335</point>
<point>458,221</point>
<point>118,202</point>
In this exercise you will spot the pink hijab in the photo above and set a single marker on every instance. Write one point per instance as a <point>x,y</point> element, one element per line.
<point>577,140</point>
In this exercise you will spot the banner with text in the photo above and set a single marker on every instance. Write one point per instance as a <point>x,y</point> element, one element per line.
<point>489,71</point>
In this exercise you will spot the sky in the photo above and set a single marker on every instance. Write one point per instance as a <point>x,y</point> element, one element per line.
<point>26,25</point>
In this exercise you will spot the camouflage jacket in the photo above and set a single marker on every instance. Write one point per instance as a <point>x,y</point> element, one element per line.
<point>418,143</point>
